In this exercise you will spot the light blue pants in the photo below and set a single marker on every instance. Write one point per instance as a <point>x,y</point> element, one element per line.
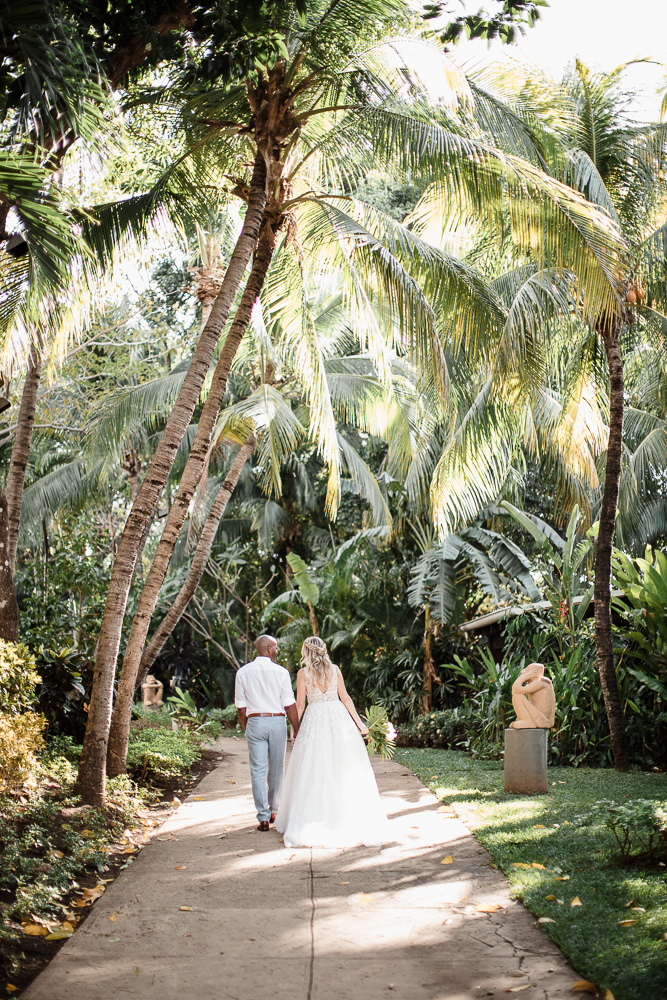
<point>267,740</point>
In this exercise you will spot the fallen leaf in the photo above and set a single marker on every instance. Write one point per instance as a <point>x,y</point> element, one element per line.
<point>539,826</point>
<point>639,909</point>
<point>584,986</point>
<point>58,935</point>
<point>11,987</point>
<point>576,902</point>
<point>444,809</point>
<point>186,908</point>
<point>546,920</point>
<point>626,923</point>
<point>550,898</point>
<point>608,995</point>
<point>566,822</point>
<point>180,868</point>
<point>519,864</point>
<point>129,850</point>
<point>631,903</point>
<point>56,854</point>
<point>487,908</point>
<point>518,989</point>
<point>35,930</point>
<point>197,798</point>
<point>449,860</point>
<point>88,834</point>
<point>164,836</point>
<point>534,864</point>
<point>67,926</point>
<point>562,878</point>
<point>343,883</point>
<point>231,781</point>
<point>365,898</point>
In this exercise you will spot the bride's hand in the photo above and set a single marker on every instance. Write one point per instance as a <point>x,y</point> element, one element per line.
<point>363,730</point>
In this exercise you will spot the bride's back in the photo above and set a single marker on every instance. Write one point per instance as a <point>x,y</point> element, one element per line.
<point>315,690</point>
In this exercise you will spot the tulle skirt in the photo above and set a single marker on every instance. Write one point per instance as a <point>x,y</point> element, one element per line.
<point>330,797</point>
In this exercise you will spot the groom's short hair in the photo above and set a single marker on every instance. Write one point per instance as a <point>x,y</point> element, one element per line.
<point>262,643</point>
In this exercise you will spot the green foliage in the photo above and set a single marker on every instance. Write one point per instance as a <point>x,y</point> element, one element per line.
<point>437,729</point>
<point>580,859</point>
<point>381,737</point>
<point>18,677</point>
<point>47,840</point>
<point>161,754</point>
<point>66,679</point>
<point>640,829</point>
<point>20,745</point>
<point>644,584</point>
<point>308,589</point>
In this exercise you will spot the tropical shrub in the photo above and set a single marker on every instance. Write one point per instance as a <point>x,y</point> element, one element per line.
<point>18,677</point>
<point>640,829</point>
<point>66,677</point>
<point>437,729</point>
<point>160,753</point>
<point>20,746</point>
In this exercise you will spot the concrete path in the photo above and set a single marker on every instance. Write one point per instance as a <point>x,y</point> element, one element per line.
<point>262,921</point>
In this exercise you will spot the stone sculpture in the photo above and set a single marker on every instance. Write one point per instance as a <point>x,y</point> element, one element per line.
<point>151,692</point>
<point>533,699</point>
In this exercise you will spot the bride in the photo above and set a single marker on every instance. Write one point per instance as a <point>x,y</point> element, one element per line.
<point>330,797</point>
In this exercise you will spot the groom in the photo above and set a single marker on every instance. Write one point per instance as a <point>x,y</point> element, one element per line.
<point>263,697</point>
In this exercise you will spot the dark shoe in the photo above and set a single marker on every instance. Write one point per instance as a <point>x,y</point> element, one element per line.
<point>264,826</point>
<point>273,817</point>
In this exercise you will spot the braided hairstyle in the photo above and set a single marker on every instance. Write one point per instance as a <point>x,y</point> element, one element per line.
<point>315,661</point>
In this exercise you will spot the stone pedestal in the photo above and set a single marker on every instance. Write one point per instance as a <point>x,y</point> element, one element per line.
<point>526,761</point>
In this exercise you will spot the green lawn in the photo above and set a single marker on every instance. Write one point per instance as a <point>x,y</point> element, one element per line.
<point>556,830</point>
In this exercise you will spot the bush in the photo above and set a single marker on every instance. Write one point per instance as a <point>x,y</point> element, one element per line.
<point>161,753</point>
<point>18,677</point>
<point>640,829</point>
<point>66,678</point>
<point>227,717</point>
<point>21,744</point>
<point>438,729</point>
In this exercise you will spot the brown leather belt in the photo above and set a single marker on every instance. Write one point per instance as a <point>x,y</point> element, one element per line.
<point>266,715</point>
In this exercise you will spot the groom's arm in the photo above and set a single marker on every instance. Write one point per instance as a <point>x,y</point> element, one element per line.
<point>293,717</point>
<point>243,717</point>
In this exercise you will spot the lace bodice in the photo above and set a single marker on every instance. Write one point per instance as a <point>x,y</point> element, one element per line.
<point>331,693</point>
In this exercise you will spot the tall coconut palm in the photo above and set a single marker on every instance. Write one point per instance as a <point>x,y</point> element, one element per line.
<point>338,67</point>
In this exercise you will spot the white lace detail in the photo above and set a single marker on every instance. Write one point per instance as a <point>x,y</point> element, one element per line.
<point>331,693</point>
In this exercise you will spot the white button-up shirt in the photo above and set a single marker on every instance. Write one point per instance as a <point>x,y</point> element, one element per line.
<point>263,686</point>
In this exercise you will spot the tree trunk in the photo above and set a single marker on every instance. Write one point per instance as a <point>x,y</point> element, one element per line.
<point>429,666</point>
<point>603,626</point>
<point>20,451</point>
<point>202,552</point>
<point>120,724</point>
<point>91,778</point>
<point>9,609</point>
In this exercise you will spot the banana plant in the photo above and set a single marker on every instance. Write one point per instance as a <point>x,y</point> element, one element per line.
<point>564,563</point>
<point>644,585</point>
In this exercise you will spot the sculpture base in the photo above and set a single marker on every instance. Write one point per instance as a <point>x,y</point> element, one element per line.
<point>526,761</point>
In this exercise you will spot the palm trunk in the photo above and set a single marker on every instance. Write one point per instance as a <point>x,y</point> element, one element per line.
<point>429,666</point>
<point>120,724</point>
<point>20,451</point>
<point>603,627</point>
<point>202,552</point>
<point>9,619</point>
<point>91,778</point>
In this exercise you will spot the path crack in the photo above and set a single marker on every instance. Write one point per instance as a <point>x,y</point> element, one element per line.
<point>312,928</point>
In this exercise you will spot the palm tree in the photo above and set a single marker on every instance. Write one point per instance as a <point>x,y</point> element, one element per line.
<point>306,106</point>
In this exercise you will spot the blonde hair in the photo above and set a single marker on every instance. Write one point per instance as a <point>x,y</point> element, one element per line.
<point>315,661</point>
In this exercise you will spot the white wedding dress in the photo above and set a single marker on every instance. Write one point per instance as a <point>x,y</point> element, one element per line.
<point>330,797</point>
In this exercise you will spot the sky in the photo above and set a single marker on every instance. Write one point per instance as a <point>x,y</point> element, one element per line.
<point>602,33</point>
